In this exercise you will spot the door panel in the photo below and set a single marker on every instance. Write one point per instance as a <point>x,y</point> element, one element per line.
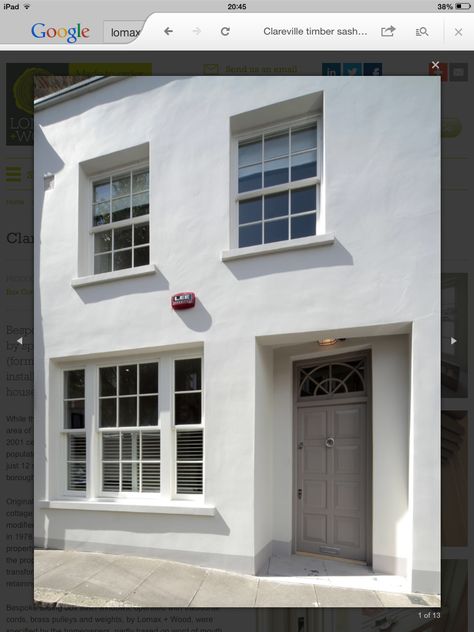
<point>331,513</point>
<point>346,497</point>
<point>315,460</point>
<point>346,424</point>
<point>316,494</point>
<point>346,459</point>
<point>346,531</point>
<point>315,423</point>
<point>315,528</point>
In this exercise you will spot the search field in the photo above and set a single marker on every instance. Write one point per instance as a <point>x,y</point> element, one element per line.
<point>122,31</point>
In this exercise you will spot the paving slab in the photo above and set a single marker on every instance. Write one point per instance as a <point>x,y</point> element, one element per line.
<point>113,603</point>
<point>170,585</point>
<point>419,599</point>
<point>46,597</point>
<point>226,590</point>
<point>81,601</point>
<point>117,579</point>
<point>434,601</point>
<point>395,600</point>
<point>346,598</point>
<point>45,561</point>
<point>336,568</point>
<point>296,565</point>
<point>78,568</point>
<point>369,582</point>
<point>138,565</point>
<point>272,594</point>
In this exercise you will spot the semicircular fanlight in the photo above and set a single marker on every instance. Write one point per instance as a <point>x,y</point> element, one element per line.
<point>336,378</point>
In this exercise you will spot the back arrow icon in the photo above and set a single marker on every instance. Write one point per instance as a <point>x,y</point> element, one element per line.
<point>168,30</point>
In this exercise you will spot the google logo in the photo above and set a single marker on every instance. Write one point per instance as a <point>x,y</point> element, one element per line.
<point>71,33</point>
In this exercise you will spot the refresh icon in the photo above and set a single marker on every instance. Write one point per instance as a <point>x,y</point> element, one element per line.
<point>225,30</point>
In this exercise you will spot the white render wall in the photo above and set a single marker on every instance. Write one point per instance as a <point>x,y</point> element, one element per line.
<point>381,199</point>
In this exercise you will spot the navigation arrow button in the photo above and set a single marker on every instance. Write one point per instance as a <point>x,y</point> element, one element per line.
<point>168,30</point>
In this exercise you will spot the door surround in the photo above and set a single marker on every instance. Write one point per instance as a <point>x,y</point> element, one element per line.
<point>345,398</point>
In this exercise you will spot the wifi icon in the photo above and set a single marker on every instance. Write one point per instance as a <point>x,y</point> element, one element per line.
<point>27,6</point>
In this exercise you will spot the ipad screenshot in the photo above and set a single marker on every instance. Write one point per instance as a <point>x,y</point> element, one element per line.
<point>236,285</point>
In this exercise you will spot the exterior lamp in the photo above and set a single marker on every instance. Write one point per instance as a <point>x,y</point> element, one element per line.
<point>327,342</point>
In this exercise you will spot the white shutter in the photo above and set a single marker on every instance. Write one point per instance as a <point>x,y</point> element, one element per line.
<point>131,461</point>
<point>189,461</point>
<point>110,462</point>
<point>111,477</point>
<point>76,462</point>
<point>111,447</point>
<point>150,471</point>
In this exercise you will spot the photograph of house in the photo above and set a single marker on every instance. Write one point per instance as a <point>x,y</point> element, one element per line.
<point>237,321</point>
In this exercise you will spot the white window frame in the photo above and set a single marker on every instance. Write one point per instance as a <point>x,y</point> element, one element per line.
<point>122,429</point>
<point>236,197</point>
<point>132,221</point>
<point>165,427</point>
<point>65,433</point>
<point>186,428</point>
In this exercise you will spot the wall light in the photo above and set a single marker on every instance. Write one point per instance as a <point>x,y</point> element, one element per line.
<point>327,342</point>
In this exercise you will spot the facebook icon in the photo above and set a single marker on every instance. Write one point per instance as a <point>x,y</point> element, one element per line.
<point>373,70</point>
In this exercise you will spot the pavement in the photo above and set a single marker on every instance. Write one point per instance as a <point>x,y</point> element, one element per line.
<point>97,580</point>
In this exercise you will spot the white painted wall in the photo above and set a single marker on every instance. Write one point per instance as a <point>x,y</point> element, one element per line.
<point>381,196</point>
<point>391,427</point>
<point>264,458</point>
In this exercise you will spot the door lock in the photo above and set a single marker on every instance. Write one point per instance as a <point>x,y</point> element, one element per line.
<point>300,494</point>
<point>329,442</point>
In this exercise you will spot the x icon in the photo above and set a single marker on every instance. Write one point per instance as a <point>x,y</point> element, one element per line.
<point>457,32</point>
<point>435,65</point>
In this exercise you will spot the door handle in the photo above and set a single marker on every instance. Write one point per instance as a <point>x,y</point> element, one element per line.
<point>300,493</point>
<point>330,442</point>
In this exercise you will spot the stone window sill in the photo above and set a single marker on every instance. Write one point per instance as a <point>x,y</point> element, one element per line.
<point>184,507</point>
<point>281,246</point>
<point>129,273</point>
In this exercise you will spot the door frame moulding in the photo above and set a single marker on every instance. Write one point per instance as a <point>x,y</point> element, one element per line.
<point>365,354</point>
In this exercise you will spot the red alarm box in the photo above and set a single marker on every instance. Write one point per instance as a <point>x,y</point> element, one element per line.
<point>183,300</point>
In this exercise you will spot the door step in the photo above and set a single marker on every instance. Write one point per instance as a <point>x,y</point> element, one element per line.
<point>331,557</point>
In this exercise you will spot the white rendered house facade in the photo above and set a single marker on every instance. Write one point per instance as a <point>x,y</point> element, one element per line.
<point>295,406</point>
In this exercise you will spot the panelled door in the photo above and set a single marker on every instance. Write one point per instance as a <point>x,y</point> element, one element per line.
<point>332,479</point>
<point>332,470</point>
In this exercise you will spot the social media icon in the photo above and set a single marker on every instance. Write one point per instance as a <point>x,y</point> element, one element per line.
<point>373,70</point>
<point>352,69</point>
<point>331,69</point>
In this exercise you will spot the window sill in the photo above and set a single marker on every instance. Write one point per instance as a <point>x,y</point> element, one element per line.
<point>129,273</point>
<point>184,507</point>
<point>283,246</point>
